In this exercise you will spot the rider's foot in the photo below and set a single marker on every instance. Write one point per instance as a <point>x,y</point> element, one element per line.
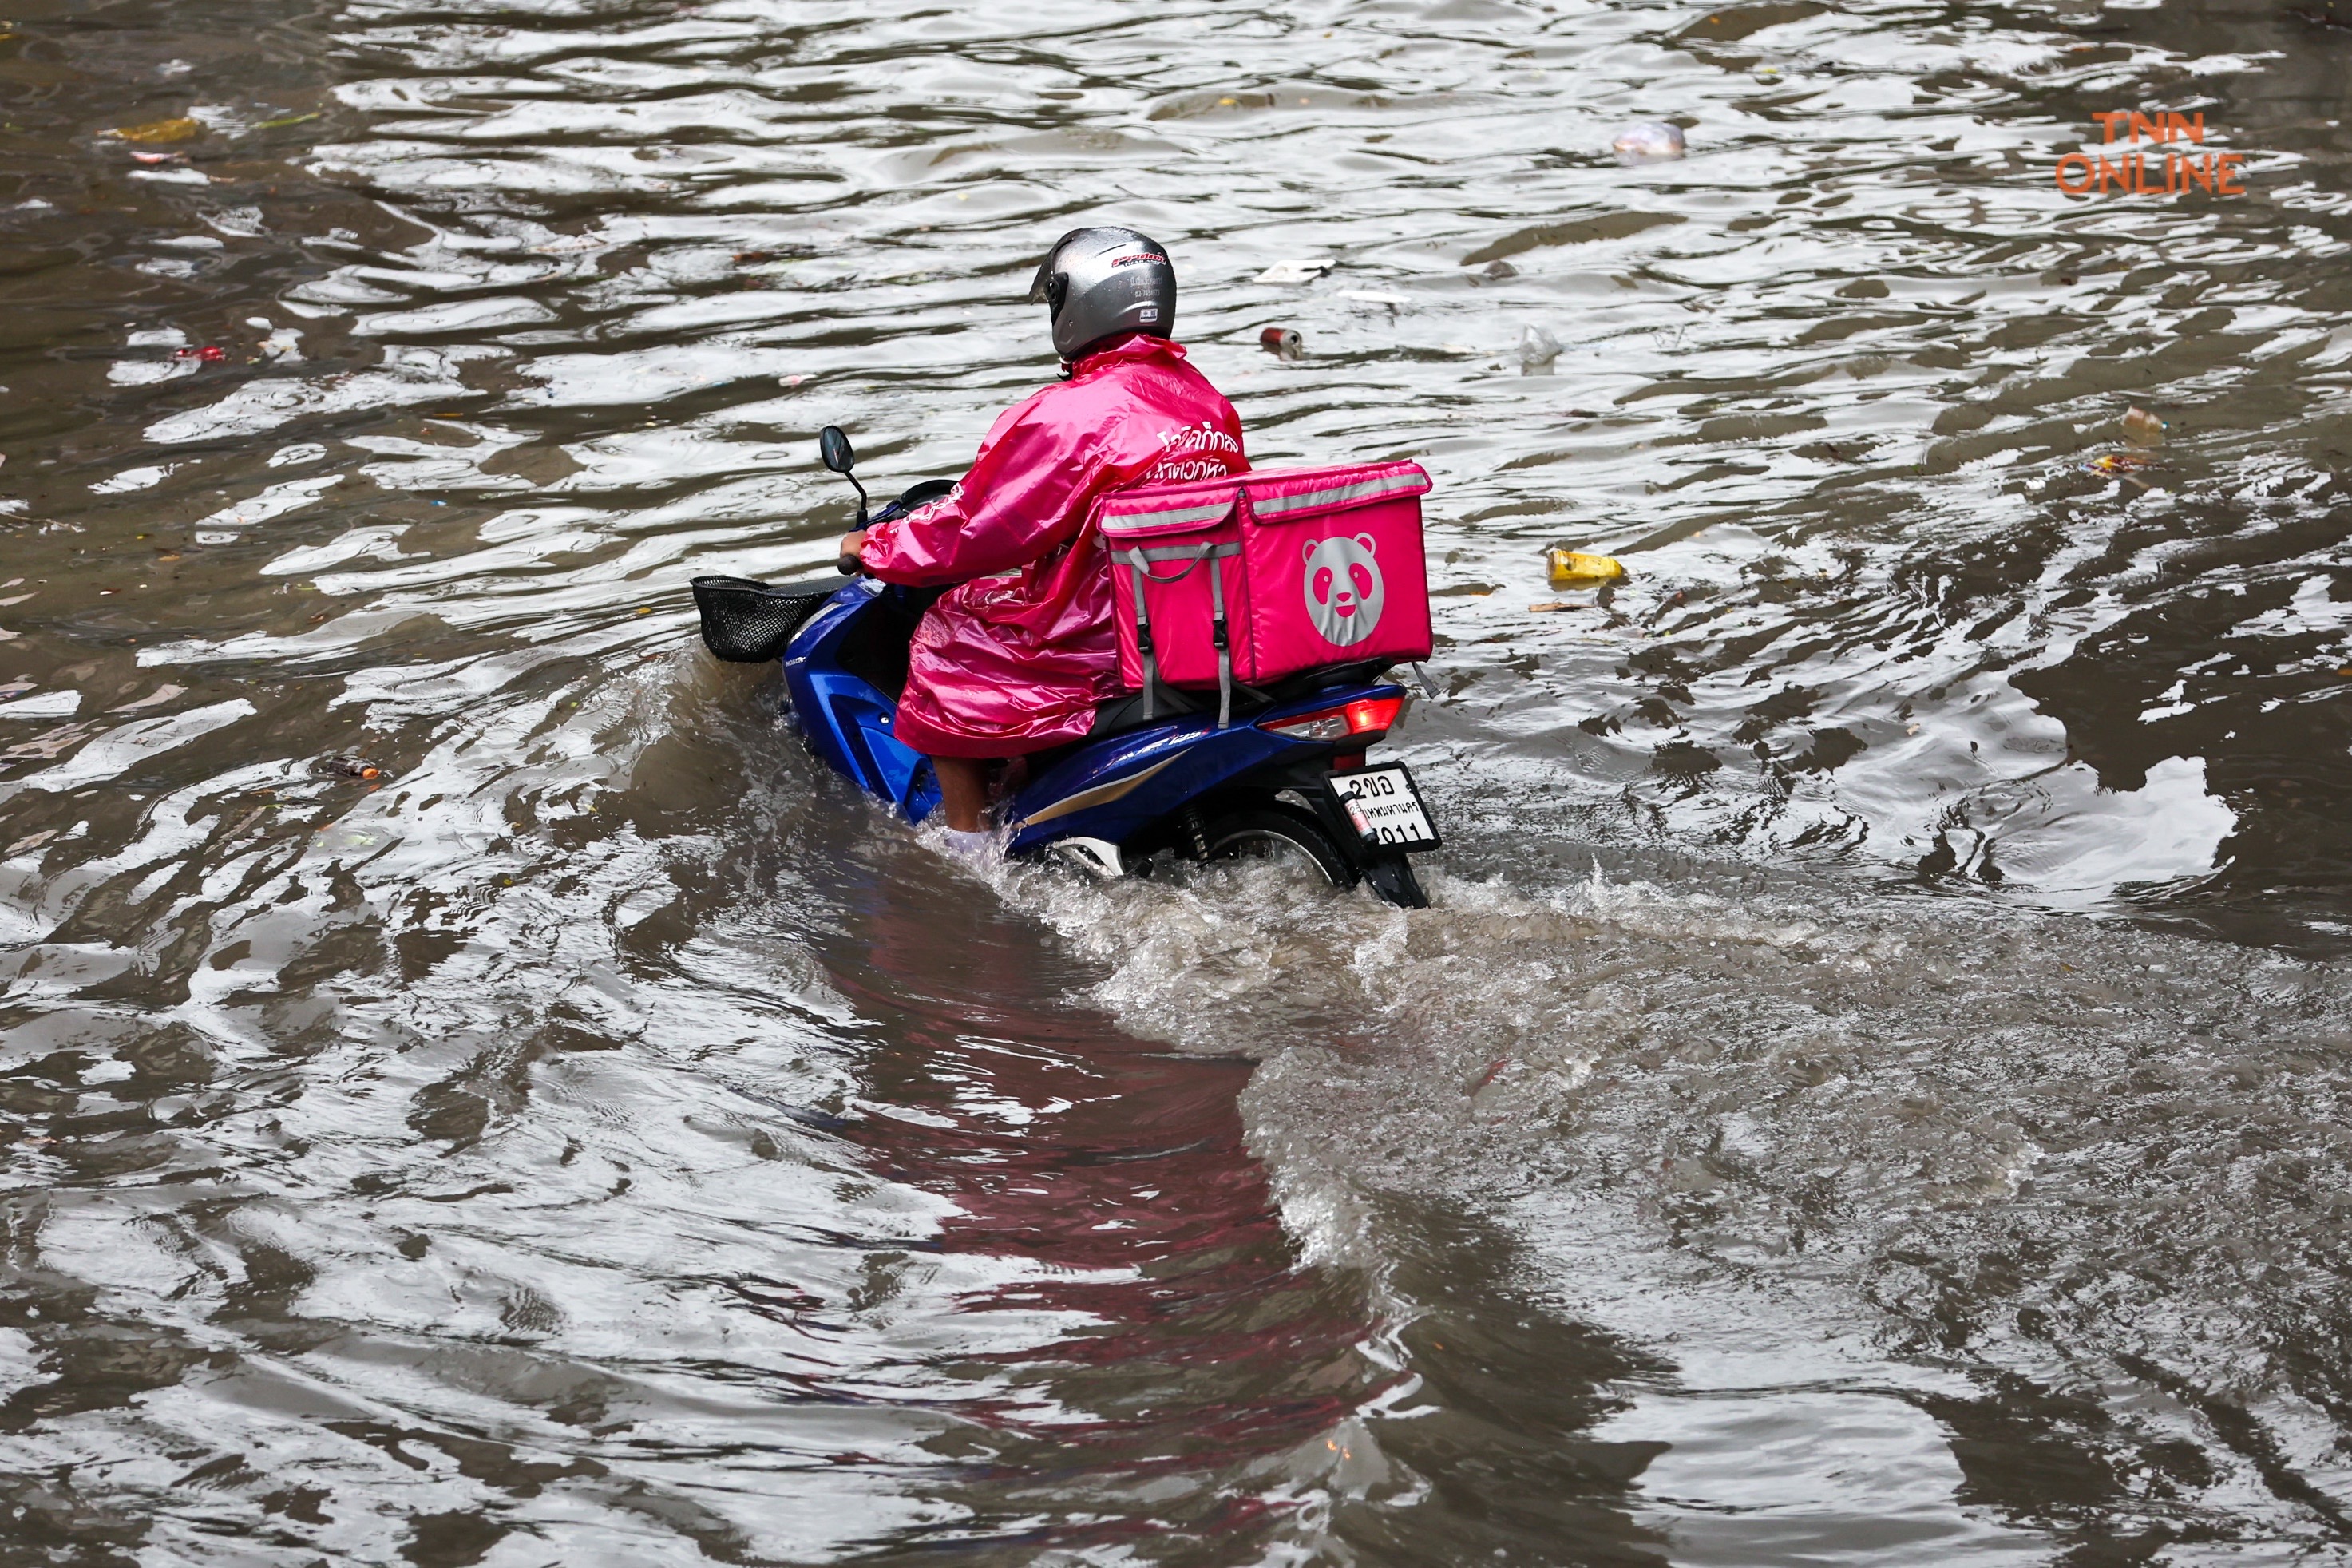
<point>971,846</point>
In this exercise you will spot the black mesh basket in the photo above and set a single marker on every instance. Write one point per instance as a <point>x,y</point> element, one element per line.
<point>745,621</point>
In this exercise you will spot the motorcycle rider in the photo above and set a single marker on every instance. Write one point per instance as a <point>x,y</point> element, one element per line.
<point>1015,658</point>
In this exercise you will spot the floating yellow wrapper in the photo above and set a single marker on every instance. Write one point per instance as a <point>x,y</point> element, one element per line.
<point>1570,568</point>
<point>183,129</point>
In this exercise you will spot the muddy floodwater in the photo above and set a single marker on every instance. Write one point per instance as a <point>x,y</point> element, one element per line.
<point>1875,1086</point>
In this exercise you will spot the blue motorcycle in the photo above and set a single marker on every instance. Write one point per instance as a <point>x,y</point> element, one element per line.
<point>1157,776</point>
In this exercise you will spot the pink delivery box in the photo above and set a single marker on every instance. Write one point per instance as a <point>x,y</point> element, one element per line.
<point>1260,575</point>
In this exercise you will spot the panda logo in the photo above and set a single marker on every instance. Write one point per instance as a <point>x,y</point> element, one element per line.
<point>1343,588</point>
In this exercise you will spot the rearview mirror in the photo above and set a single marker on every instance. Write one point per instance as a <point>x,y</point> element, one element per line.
<point>833,448</point>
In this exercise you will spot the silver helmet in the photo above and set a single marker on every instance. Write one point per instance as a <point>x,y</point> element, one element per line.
<point>1097,283</point>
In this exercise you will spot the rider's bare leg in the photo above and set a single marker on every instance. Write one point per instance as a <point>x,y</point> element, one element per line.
<point>963,791</point>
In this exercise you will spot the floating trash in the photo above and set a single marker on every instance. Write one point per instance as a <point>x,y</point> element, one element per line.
<point>1376,296</point>
<point>1283,341</point>
<point>211,353</point>
<point>2122,466</point>
<point>349,768</point>
<point>183,129</point>
<point>1653,141</point>
<point>1538,349</point>
<point>1501,270</point>
<point>1574,568</point>
<point>1303,269</point>
<point>2142,428</point>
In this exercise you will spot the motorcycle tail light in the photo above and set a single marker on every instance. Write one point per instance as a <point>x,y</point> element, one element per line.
<point>1367,716</point>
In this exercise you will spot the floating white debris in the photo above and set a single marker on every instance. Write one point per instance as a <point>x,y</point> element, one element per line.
<point>145,371</point>
<point>134,480</point>
<point>1653,141</point>
<point>1300,269</point>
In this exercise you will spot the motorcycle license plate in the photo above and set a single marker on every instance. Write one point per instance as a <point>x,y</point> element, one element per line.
<point>1384,807</point>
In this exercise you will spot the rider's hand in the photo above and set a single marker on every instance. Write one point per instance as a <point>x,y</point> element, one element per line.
<point>851,544</point>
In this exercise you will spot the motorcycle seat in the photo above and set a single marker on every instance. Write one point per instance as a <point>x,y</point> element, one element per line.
<point>1121,714</point>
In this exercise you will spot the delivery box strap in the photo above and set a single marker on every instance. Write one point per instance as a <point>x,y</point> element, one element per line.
<point>1139,564</point>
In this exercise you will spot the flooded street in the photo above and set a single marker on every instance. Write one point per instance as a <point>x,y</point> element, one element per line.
<point>1875,1086</point>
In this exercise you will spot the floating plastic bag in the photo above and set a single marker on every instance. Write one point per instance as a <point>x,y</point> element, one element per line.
<point>2142,428</point>
<point>1651,142</point>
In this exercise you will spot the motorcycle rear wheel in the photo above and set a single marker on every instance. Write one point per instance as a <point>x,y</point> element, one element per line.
<point>1276,831</point>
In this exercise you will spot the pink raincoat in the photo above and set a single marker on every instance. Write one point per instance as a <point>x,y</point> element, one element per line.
<point>1016,659</point>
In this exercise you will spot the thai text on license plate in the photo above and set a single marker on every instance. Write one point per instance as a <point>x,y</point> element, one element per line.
<point>1384,807</point>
